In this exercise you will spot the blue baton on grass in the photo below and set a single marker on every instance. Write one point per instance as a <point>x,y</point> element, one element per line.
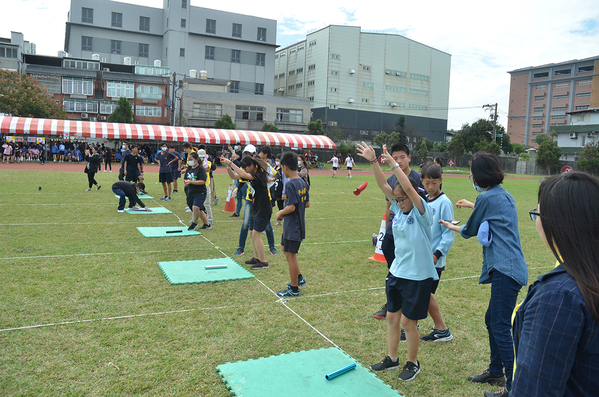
<point>340,371</point>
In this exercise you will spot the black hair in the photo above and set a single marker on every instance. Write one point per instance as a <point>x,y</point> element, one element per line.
<point>486,169</point>
<point>171,146</point>
<point>266,150</point>
<point>140,185</point>
<point>260,165</point>
<point>201,146</point>
<point>399,147</point>
<point>290,160</point>
<point>421,192</point>
<point>438,161</point>
<point>187,145</point>
<point>570,221</point>
<point>194,155</point>
<point>430,170</point>
<point>162,144</point>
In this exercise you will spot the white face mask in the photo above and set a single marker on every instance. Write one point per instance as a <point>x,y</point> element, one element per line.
<point>124,147</point>
<point>299,162</point>
<point>191,163</point>
<point>164,149</point>
<point>277,162</point>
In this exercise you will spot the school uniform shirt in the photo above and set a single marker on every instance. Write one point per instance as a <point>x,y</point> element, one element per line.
<point>132,162</point>
<point>504,254</point>
<point>196,174</point>
<point>413,244</point>
<point>175,164</point>
<point>392,180</point>
<point>442,208</point>
<point>123,156</point>
<point>130,191</point>
<point>335,161</point>
<point>164,158</point>
<point>261,207</point>
<point>296,192</point>
<point>349,162</point>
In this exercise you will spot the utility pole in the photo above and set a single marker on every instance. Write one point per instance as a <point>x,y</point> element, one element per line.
<point>488,106</point>
<point>174,81</point>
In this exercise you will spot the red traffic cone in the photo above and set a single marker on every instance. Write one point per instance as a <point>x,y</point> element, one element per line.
<point>360,188</point>
<point>230,204</point>
<point>378,252</point>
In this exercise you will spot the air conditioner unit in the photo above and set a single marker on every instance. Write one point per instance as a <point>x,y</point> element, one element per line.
<point>393,104</point>
<point>590,134</point>
<point>350,100</point>
<point>352,71</point>
<point>102,118</point>
<point>387,72</point>
<point>572,135</point>
<point>84,116</point>
<point>93,119</point>
<point>281,89</point>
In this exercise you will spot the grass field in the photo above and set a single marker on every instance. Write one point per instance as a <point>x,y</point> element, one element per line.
<point>111,324</point>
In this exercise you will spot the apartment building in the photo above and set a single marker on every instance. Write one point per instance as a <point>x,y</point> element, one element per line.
<point>12,50</point>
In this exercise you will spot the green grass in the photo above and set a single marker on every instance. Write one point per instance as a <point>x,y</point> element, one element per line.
<point>68,256</point>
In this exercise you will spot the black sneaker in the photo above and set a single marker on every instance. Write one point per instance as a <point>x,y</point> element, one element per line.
<point>497,393</point>
<point>206,226</point>
<point>259,265</point>
<point>99,186</point>
<point>252,261</point>
<point>192,226</point>
<point>410,371</point>
<point>381,314</point>
<point>487,377</point>
<point>385,365</point>
<point>288,292</point>
<point>438,336</point>
<point>235,215</point>
<point>300,282</point>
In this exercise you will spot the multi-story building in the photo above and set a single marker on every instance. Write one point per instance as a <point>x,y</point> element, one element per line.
<point>547,96</point>
<point>90,89</point>
<point>12,49</point>
<point>232,47</point>
<point>364,82</point>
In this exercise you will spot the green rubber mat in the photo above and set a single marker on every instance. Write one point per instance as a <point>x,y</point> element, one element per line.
<point>203,271</point>
<point>142,196</point>
<point>154,210</point>
<point>302,374</point>
<point>164,231</point>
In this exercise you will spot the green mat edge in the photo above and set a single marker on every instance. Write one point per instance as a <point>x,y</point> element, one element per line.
<point>181,235</point>
<point>219,368</point>
<point>248,273</point>
<point>129,211</point>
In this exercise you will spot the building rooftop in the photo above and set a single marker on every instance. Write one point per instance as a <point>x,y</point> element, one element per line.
<point>555,64</point>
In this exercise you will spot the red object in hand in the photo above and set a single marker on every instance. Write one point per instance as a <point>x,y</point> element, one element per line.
<point>360,188</point>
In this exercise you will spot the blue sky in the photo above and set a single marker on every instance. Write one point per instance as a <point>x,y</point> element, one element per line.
<point>486,40</point>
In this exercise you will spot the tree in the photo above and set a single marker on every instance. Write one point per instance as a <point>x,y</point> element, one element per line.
<point>478,132</point>
<point>518,148</point>
<point>335,133</point>
<point>268,127</point>
<point>440,147</point>
<point>388,139</point>
<point>225,123</point>
<point>424,147</point>
<point>506,144</point>
<point>524,156</point>
<point>123,113</point>
<point>589,158</point>
<point>541,138</point>
<point>23,96</point>
<point>456,146</point>
<point>315,128</point>
<point>548,155</point>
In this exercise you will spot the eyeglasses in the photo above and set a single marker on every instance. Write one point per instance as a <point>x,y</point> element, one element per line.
<point>398,201</point>
<point>533,214</point>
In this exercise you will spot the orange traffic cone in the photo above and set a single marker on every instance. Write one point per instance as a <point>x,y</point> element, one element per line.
<point>230,205</point>
<point>378,252</point>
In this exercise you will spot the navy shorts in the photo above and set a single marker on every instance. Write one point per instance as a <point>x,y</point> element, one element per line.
<point>349,168</point>
<point>165,177</point>
<point>290,246</point>
<point>198,201</point>
<point>258,224</point>
<point>335,168</point>
<point>409,296</point>
<point>176,174</point>
<point>435,283</point>
<point>132,176</point>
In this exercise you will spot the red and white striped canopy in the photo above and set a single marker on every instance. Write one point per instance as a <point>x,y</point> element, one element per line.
<point>86,129</point>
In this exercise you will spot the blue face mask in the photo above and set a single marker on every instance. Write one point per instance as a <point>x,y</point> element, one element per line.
<point>191,163</point>
<point>478,188</point>
<point>164,149</point>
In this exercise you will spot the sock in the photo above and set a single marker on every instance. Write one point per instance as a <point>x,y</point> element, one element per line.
<point>294,289</point>
<point>299,276</point>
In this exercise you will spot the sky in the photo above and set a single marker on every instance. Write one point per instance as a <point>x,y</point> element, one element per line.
<point>485,40</point>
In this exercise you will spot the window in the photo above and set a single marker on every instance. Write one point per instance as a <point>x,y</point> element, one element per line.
<point>209,52</point>
<point>582,107</point>
<point>392,88</point>
<point>583,95</point>
<point>282,75</point>
<point>182,52</point>
<point>558,117</point>
<point>117,20</point>
<point>300,48</point>
<point>562,72</point>
<point>368,85</point>
<point>540,98</point>
<point>396,73</point>
<point>559,109</point>
<point>276,56</point>
<point>540,87</point>
<point>210,26</point>
<point>115,47</point>
<point>540,75</point>
<point>333,107</point>
<point>299,85</point>
<point>249,113</point>
<point>335,56</point>
<point>259,89</point>
<point>311,67</point>
<point>86,43</point>
<point>311,98</point>
<point>300,70</point>
<point>183,23</point>
<point>148,111</point>
<point>73,64</point>
<point>276,76</point>
<point>234,87</point>
<point>183,3</point>
<point>418,107</point>
<point>585,69</point>
<point>334,89</point>
<point>537,118</point>
<point>363,132</point>
<point>560,96</point>
<point>312,43</point>
<point>107,107</point>
<point>291,72</point>
<point>538,110</point>
<point>80,105</point>
<point>149,92</point>
<point>292,51</point>
<point>585,82</point>
<point>235,56</point>
<point>367,68</point>
<point>561,85</point>
<point>291,87</point>
<point>77,86</point>
<point>395,104</point>
<point>117,89</point>
<point>311,82</point>
<point>144,24</point>
<point>418,92</point>
<point>290,115</point>
<point>144,50</point>
<point>237,30</point>
<point>365,100</point>
<point>537,126</point>
<point>418,77</point>
<point>261,34</point>
<point>87,15</point>
<point>283,54</point>
<point>260,59</point>
<point>334,73</point>
<point>8,52</point>
<point>207,111</point>
<point>332,123</point>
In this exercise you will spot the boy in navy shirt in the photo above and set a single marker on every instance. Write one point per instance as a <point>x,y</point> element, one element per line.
<point>294,227</point>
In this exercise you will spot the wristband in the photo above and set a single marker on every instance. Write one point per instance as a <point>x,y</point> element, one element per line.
<point>373,161</point>
<point>395,166</point>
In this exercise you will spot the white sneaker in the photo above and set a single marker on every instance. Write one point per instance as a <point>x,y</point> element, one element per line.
<point>188,209</point>
<point>104,170</point>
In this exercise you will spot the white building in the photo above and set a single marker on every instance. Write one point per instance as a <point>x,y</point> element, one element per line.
<point>583,129</point>
<point>364,82</point>
<point>11,50</point>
